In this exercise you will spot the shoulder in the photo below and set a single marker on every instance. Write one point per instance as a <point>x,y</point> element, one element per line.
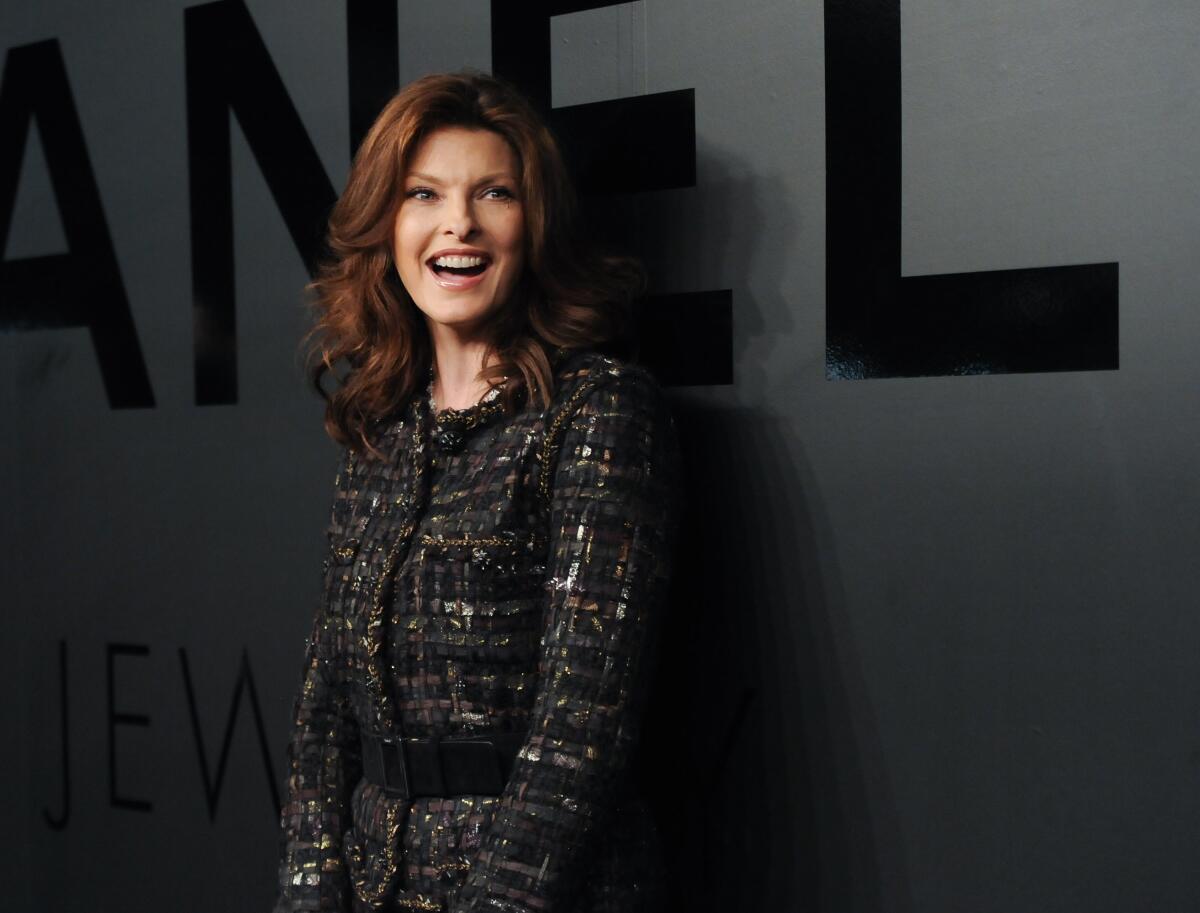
<point>611,437</point>
<point>585,376</point>
<point>605,404</point>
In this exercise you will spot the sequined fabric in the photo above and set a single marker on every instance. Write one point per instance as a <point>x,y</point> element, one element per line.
<point>492,573</point>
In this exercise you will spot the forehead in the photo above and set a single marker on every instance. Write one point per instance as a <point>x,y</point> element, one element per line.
<point>454,154</point>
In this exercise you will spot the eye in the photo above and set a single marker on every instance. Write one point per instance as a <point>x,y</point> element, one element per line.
<point>502,193</point>
<point>416,193</point>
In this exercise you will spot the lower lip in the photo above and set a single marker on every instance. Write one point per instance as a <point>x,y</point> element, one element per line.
<point>457,283</point>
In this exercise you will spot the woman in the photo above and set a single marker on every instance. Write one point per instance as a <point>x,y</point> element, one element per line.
<point>499,543</point>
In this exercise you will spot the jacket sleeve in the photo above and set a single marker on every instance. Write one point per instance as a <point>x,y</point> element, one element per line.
<point>613,509</point>
<point>323,753</point>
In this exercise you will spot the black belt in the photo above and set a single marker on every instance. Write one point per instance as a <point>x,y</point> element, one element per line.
<point>476,765</point>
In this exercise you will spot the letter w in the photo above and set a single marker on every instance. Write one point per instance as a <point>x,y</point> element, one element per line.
<point>245,679</point>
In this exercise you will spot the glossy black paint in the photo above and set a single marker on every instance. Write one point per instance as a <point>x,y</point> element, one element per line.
<point>373,47</point>
<point>879,324</point>
<point>686,337</point>
<point>229,68</point>
<point>616,147</point>
<point>627,145</point>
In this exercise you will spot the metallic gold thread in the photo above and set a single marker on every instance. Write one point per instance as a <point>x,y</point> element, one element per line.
<point>552,436</point>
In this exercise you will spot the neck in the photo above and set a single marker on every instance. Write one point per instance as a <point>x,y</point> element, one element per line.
<point>457,363</point>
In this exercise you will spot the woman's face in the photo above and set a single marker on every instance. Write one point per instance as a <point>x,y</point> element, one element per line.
<point>459,237</point>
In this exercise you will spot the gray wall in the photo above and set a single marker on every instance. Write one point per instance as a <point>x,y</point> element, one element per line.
<point>964,605</point>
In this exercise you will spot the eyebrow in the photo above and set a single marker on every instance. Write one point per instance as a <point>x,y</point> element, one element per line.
<point>483,180</point>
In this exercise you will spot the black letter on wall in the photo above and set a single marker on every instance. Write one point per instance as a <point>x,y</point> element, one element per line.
<point>373,46</point>
<point>229,68</point>
<point>82,288</point>
<point>879,324</point>
<point>212,790</point>
<point>126,719</point>
<point>688,336</point>
<point>58,822</point>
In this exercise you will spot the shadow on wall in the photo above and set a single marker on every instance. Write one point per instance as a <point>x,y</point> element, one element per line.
<point>760,754</point>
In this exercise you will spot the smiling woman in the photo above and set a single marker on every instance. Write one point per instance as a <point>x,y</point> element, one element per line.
<point>419,186</point>
<point>462,186</point>
<point>500,541</point>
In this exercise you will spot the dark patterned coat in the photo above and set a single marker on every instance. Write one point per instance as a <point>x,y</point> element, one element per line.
<point>493,573</point>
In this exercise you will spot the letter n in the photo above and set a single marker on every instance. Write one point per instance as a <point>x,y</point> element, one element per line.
<point>229,68</point>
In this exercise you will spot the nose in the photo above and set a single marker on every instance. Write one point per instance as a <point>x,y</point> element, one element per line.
<point>460,218</point>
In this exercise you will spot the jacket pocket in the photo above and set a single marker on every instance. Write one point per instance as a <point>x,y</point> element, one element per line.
<point>500,573</point>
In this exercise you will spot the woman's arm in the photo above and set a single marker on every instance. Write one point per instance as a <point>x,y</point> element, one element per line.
<point>323,758</point>
<point>613,513</point>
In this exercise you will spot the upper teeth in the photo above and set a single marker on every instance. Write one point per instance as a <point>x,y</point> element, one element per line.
<point>459,262</point>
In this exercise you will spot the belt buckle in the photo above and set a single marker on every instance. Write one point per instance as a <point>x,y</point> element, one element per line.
<point>393,765</point>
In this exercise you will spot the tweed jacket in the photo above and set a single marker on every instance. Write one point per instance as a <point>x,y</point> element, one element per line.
<point>494,573</point>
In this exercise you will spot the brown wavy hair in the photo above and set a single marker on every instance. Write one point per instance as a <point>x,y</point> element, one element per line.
<point>569,295</point>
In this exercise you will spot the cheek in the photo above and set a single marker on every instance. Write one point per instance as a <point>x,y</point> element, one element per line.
<point>514,239</point>
<point>407,241</point>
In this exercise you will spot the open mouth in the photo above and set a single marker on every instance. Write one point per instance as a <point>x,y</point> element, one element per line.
<point>475,270</point>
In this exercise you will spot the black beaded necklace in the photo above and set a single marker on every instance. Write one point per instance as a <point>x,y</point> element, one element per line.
<point>450,425</point>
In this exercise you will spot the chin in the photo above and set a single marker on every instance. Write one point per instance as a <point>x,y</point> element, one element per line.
<point>461,322</point>
<point>464,313</point>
